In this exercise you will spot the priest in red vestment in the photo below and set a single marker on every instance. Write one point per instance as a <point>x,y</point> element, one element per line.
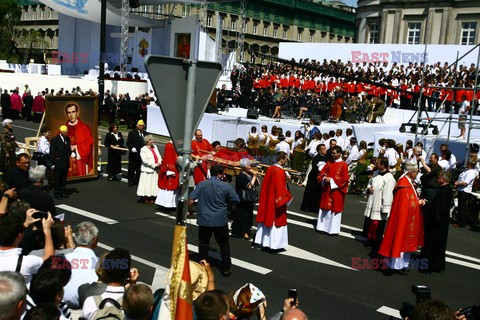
<point>168,178</point>
<point>81,142</point>
<point>404,232</point>
<point>272,209</point>
<point>334,178</point>
<point>199,145</point>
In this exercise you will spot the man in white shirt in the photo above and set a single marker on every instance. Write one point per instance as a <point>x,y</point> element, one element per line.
<point>353,153</point>
<point>452,162</point>
<point>11,234</point>
<point>282,145</point>
<point>86,237</point>
<point>117,275</point>
<point>349,133</point>
<point>391,154</point>
<point>339,138</point>
<point>464,186</point>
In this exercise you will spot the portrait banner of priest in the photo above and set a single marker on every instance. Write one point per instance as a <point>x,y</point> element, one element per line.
<point>80,115</point>
<point>182,42</point>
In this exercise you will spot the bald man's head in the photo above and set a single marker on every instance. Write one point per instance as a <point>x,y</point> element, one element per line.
<point>294,314</point>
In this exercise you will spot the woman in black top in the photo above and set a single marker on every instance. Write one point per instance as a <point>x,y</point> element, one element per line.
<point>113,141</point>
<point>243,214</point>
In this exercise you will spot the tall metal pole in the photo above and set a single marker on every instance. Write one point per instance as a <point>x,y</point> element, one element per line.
<point>452,105</point>
<point>124,37</point>
<point>472,109</point>
<point>101,76</point>
<point>191,67</point>
<point>424,69</point>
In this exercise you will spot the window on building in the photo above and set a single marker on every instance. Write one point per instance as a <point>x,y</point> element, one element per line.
<point>265,31</point>
<point>233,25</point>
<point>275,32</point>
<point>244,26</point>
<point>285,34</point>
<point>413,35</point>
<point>50,13</point>
<point>312,37</point>
<point>186,10</point>
<point>373,33</point>
<point>299,35</point>
<point>160,9</point>
<point>255,28</point>
<point>34,14</point>
<point>468,33</point>
<point>42,14</point>
<point>209,20</point>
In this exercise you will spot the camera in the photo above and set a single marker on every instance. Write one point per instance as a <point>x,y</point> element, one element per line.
<point>471,313</point>
<point>421,292</point>
<point>40,215</point>
<point>292,293</point>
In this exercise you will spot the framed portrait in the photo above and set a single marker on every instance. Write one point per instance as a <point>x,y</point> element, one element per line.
<point>80,115</point>
<point>182,43</point>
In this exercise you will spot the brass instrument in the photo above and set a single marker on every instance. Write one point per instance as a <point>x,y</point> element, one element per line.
<point>372,110</point>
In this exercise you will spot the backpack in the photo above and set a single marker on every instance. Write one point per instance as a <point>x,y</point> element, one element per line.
<point>112,311</point>
<point>312,132</point>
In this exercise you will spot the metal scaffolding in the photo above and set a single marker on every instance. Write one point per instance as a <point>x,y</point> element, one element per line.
<point>241,33</point>
<point>124,37</point>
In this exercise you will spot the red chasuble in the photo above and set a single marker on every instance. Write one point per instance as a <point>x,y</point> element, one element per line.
<point>274,197</point>
<point>81,136</point>
<point>200,172</point>
<point>404,231</point>
<point>334,199</point>
<point>169,163</point>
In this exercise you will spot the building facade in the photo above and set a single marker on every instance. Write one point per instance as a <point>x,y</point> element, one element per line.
<point>35,16</point>
<point>418,21</point>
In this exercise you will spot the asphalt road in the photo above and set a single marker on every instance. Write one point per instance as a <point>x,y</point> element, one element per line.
<point>317,265</point>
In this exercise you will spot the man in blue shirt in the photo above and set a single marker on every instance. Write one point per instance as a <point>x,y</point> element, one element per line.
<point>213,197</point>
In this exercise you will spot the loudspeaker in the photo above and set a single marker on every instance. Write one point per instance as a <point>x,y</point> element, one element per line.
<point>134,3</point>
<point>252,113</point>
<point>317,119</point>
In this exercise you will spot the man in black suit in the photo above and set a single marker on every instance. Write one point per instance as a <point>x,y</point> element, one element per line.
<point>135,142</point>
<point>27,106</point>
<point>60,152</point>
<point>6,104</point>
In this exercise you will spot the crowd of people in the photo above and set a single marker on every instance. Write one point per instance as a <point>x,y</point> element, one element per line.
<point>114,108</point>
<point>408,197</point>
<point>289,89</point>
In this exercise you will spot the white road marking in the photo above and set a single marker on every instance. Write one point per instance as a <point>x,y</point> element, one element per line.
<point>106,176</point>
<point>87,214</point>
<point>310,217</point>
<point>463,263</point>
<point>15,126</point>
<point>310,226</point>
<point>389,312</point>
<point>294,222</point>
<point>236,262</point>
<point>160,276</point>
<point>458,255</point>
<point>306,255</point>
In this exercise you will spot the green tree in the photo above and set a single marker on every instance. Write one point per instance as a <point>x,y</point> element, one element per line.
<point>10,14</point>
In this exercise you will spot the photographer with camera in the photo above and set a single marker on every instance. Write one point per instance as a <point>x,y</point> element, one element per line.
<point>12,226</point>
